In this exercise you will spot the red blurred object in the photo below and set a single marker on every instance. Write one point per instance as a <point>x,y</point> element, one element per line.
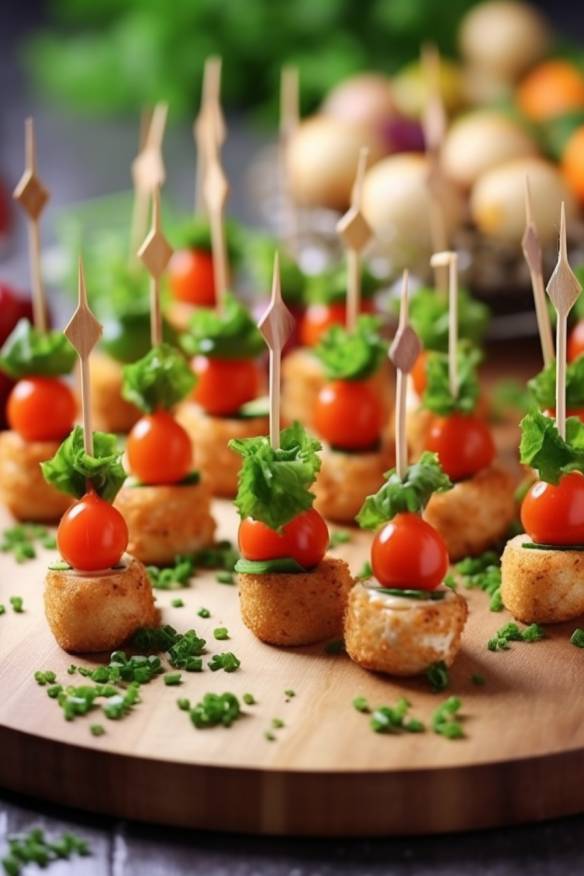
<point>5,210</point>
<point>13,306</point>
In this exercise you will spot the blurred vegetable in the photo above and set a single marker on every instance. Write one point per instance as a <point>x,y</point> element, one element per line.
<point>551,89</point>
<point>573,163</point>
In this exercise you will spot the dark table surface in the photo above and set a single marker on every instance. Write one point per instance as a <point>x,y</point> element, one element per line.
<point>80,159</point>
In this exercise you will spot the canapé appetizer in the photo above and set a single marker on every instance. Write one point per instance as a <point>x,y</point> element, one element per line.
<point>291,593</point>
<point>225,346</point>
<point>165,503</point>
<point>402,619</point>
<point>41,410</point>
<point>543,389</point>
<point>99,595</point>
<point>349,417</point>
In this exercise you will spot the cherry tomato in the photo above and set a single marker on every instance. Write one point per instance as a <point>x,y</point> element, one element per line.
<point>464,444</point>
<point>554,514</point>
<point>41,409</point>
<point>92,534</point>
<point>224,385</point>
<point>305,539</point>
<point>191,277</point>
<point>418,372</point>
<point>348,414</point>
<point>409,553</point>
<point>571,412</point>
<point>319,317</point>
<point>573,162</point>
<point>576,341</point>
<point>159,450</point>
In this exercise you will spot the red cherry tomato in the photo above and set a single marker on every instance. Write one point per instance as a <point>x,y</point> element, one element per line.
<point>191,277</point>
<point>554,514</point>
<point>305,539</point>
<point>419,375</point>
<point>464,444</point>
<point>576,341</point>
<point>224,385</point>
<point>320,317</point>
<point>41,409</point>
<point>159,450</point>
<point>92,534</point>
<point>348,414</point>
<point>409,553</point>
<point>571,412</point>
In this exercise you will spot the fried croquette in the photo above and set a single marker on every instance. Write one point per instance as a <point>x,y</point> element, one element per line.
<point>476,513</point>
<point>402,636</point>
<point>22,486</point>
<point>345,479</point>
<point>111,412</point>
<point>210,437</point>
<point>89,612</point>
<point>164,521</point>
<point>296,609</point>
<point>542,585</point>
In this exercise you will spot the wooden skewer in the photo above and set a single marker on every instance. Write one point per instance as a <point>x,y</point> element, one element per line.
<point>434,123</point>
<point>155,253</point>
<point>449,259</point>
<point>532,252</point>
<point>276,325</point>
<point>32,196</point>
<point>210,114</point>
<point>563,289</point>
<point>289,120</point>
<point>84,331</point>
<point>355,232</point>
<point>403,352</point>
<point>148,172</point>
<point>216,193</point>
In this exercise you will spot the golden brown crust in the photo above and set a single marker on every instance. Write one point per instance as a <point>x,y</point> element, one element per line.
<point>98,612</point>
<point>296,609</point>
<point>476,513</point>
<point>345,479</point>
<point>210,437</point>
<point>542,586</point>
<point>164,521</point>
<point>22,485</point>
<point>111,412</point>
<point>402,636</point>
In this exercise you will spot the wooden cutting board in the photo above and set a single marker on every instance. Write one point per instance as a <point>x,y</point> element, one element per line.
<point>326,773</point>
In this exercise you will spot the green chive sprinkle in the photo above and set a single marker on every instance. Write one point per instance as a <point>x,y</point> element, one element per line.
<point>204,612</point>
<point>577,638</point>
<point>221,633</point>
<point>361,704</point>
<point>17,604</point>
<point>184,704</point>
<point>277,723</point>
<point>172,679</point>
<point>289,693</point>
<point>249,699</point>
<point>339,536</point>
<point>177,603</point>
<point>445,719</point>
<point>437,676</point>
<point>97,729</point>
<point>2,609</point>
<point>224,577</point>
<point>227,661</point>
<point>269,736</point>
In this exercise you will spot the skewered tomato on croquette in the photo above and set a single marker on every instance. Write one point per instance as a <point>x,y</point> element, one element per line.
<point>92,534</point>
<point>419,373</point>
<point>159,450</point>
<point>41,409</point>
<point>348,414</point>
<point>408,553</point>
<point>191,277</point>
<point>554,513</point>
<point>224,385</point>
<point>464,444</point>
<point>318,318</point>
<point>304,539</point>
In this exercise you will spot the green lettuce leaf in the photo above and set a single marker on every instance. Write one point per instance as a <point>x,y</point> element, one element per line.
<point>228,334</point>
<point>429,318</point>
<point>412,494</point>
<point>71,468</point>
<point>196,234</point>
<point>274,483</point>
<point>159,380</point>
<point>331,285</point>
<point>259,257</point>
<point>352,355</point>
<point>437,396</point>
<point>543,385</point>
<point>28,351</point>
<point>544,449</point>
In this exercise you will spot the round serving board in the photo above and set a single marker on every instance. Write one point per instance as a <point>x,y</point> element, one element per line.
<point>326,773</point>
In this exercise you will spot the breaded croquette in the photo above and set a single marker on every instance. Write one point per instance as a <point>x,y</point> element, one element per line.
<point>22,485</point>
<point>345,479</point>
<point>89,612</point>
<point>296,609</point>
<point>111,412</point>
<point>402,636</point>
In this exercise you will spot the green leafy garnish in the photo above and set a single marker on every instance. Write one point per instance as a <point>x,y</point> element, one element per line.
<point>249,699</point>
<point>196,234</point>
<point>392,719</point>
<point>429,318</point>
<point>412,494</point>
<point>511,633</point>
<point>274,482</point>
<point>361,704</point>
<point>204,613</point>
<point>510,397</point>
<point>543,385</point>
<point>259,257</point>
<point>222,555</point>
<point>17,603</point>
<point>34,848</point>
<point>577,638</point>
<point>177,603</point>
<point>173,577</point>
<point>226,661</point>
<point>365,571</point>
<point>280,565</point>
<point>337,537</point>
<point>330,286</point>
<point>544,449</point>
<point>71,468</point>
<point>159,380</point>
<point>173,679</point>
<point>28,351</point>
<point>437,676</point>
<point>19,540</point>
<point>483,573</point>
<point>229,333</point>
<point>352,355</point>
<point>437,395</point>
<point>445,720</point>
<point>215,710</point>
<point>221,633</point>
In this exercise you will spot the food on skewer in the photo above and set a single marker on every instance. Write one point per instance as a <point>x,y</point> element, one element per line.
<point>542,388</point>
<point>349,416</point>
<point>41,411</point>
<point>99,596</point>
<point>224,346</point>
<point>291,593</point>
<point>165,503</point>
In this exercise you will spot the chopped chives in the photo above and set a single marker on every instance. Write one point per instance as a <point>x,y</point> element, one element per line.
<point>577,638</point>
<point>177,603</point>
<point>221,633</point>
<point>172,679</point>
<point>361,704</point>
<point>17,604</point>
<point>249,699</point>
<point>277,723</point>
<point>97,729</point>
<point>204,612</point>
